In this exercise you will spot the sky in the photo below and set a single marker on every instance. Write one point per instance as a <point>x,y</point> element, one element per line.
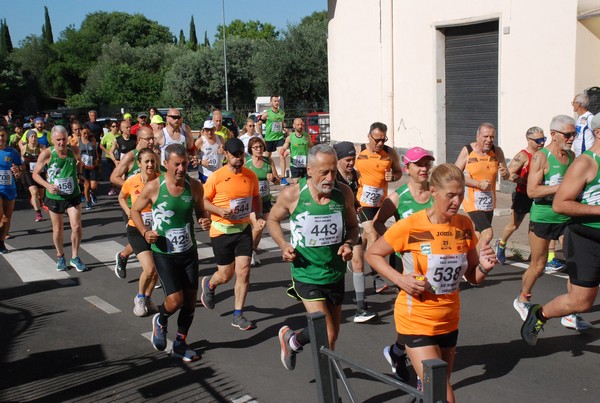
<point>26,17</point>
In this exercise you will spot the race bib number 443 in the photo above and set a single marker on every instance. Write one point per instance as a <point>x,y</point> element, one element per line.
<point>445,271</point>
<point>323,230</point>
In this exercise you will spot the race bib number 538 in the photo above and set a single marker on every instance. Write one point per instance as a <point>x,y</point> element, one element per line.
<point>445,271</point>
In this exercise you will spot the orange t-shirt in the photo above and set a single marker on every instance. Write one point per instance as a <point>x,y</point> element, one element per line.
<point>372,186</point>
<point>480,167</point>
<point>226,189</point>
<point>133,187</point>
<point>438,252</point>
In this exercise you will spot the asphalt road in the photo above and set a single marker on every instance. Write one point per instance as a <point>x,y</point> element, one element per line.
<point>73,337</point>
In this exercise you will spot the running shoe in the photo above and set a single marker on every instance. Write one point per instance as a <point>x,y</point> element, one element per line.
<point>554,266</point>
<point>38,216</point>
<point>158,285</point>
<point>82,197</point>
<point>532,326</point>
<point>78,264</point>
<point>159,334</point>
<point>3,249</point>
<point>288,355</point>
<point>45,208</point>
<point>61,265</point>
<point>284,182</point>
<point>255,261</point>
<point>500,252</point>
<point>151,306</point>
<point>183,351</point>
<point>241,322</point>
<point>378,284</point>
<point>139,306</point>
<point>112,192</point>
<point>120,266</point>
<point>88,206</point>
<point>207,296</point>
<point>521,307</point>
<point>575,321</point>
<point>93,197</point>
<point>398,364</point>
<point>362,315</point>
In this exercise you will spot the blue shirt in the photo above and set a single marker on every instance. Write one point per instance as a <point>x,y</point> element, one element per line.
<point>8,186</point>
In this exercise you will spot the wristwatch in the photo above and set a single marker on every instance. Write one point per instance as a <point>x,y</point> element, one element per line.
<point>350,244</point>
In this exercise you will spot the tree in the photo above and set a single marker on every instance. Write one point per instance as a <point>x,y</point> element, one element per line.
<point>6,45</point>
<point>251,29</point>
<point>181,38</point>
<point>193,44</point>
<point>206,41</point>
<point>47,28</point>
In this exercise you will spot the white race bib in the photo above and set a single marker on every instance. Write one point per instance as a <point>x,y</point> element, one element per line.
<point>263,188</point>
<point>32,166</point>
<point>299,161</point>
<point>179,239</point>
<point>88,160</point>
<point>240,208</point>
<point>484,201</point>
<point>445,271</point>
<point>147,218</point>
<point>323,230</point>
<point>66,186</point>
<point>277,127</point>
<point>6,177</point>
<point>212,161</point>
<point>371,195</point>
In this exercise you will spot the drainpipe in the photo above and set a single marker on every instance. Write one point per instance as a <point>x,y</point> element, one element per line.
<point>392,123</point>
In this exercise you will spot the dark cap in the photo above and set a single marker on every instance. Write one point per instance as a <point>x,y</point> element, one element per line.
<point>234,146</point>
<point>344,149</point>
<point>142,115</point>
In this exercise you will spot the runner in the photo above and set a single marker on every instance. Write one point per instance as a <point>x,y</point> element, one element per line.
<point>443,248</point>
<point>263,167</point>
<point>377,165</point>
<point>298,143</point>
<point>91,162</point>
<point>30,153</point>
<point>346,174</point>
<point>175,133</point>
<point>62,194</point>
<point>174,197</point>
<point>148,162</point>
<point>547,171</point>
<point>519,171</point>
<point>106,145</point>
<point>274,132</point>
<point>211,151</point>
<point>230,196</point>
<point>577,197</point>
<point>323,231</point>
<point>11,167</point>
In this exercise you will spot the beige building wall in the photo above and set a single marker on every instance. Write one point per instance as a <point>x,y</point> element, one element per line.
<point>398,46</point>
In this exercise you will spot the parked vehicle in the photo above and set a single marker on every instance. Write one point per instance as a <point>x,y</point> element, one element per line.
<point>228,122</point>
<point>317,126</point>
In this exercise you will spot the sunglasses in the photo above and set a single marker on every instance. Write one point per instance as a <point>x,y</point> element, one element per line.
<point>541,140</point>
<point>567,136</point>
<point>381,140</point>
<point>174,116</point>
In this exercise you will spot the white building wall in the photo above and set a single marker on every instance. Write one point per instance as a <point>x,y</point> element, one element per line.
<point>537,68</point>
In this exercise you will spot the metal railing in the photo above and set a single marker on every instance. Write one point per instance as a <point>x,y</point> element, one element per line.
<point>326,361</point>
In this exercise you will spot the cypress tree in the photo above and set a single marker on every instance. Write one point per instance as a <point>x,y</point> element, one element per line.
<point>181,38</point>
<point>206,41</point>
<point>6,40</point>
<point>193,38</point>
<point>47,28</point>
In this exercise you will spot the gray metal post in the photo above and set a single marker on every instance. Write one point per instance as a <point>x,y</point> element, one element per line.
<point>434,384</point>
<point>324,377</point>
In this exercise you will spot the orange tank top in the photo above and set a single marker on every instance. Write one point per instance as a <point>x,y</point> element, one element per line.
<point>480,167</point>
<point>372,186</point>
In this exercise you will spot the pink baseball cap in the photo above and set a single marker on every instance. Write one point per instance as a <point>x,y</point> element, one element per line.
<point>415,154</point>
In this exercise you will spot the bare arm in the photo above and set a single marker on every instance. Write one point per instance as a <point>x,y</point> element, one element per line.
<point>515,166</point>
<point>42,161</point>
<point>117,175</point>
<point>147,196</point>
<point>461,163</point>
<point>535,180</point>
<point>388,208</point>
<point>286,202</point>
<point>201,214</point>
<point>502,168</point>
<point>579,174</point>
<point>396,167</point>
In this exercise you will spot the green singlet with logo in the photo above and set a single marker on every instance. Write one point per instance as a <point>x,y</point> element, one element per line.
<point>591,195</point>
<point>407,205</point>
<point>541,209</point>
<point>62,172</point>
<point>172,218</point>
<point>261,174</point>
<point>274,125</point>
<point>298,150</point>
<point>317,232</point>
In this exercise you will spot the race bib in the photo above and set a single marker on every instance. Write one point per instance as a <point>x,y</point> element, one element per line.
<point>147,218</point>
<point>371,195</point>
<point>32,166</point>
<point>88,160</point>
<point>263,188</point>
<point>323,230</point>
<point>212,161</point>
<point>277,127</point>
<point>6,177</point>
<point>484,201</point>
<point>445,271</point>
<point>240,208</point>
<point>66,186</point>
<point>299,161</point>
<point>179,239</point>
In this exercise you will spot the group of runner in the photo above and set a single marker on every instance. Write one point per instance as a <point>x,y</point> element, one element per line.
<point>425,253</point>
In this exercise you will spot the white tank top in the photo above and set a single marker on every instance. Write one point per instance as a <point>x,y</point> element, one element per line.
<point>170,140</point>
<point>211,153</point>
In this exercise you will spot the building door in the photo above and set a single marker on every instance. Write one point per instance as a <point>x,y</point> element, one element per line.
<point>471,54</point>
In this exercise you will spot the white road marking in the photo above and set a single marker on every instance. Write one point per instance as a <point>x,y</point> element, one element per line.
<point>105,251</point>
<point>101,304</point>
<point>34,265</point>
<point>244,399</point>
<point>525,266</point>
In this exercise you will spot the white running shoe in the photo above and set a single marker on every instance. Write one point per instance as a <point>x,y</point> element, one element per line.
<point>139,306</point>
<point>575,321</point>
<point>255,261</point>
<point>522,308</point>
